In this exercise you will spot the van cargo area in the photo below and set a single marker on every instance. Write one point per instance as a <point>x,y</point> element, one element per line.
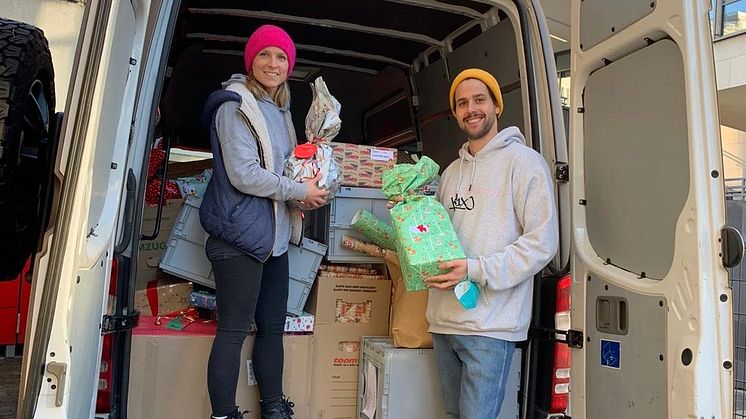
<point>390,65</point>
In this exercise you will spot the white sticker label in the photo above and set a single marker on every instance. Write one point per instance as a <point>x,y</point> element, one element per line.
<point>381,155</point>
<point>250,373</point>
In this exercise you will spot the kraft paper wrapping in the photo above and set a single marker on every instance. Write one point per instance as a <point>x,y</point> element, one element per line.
<point>422,229</point>
<point>408,322</point>
<point>374,228</point>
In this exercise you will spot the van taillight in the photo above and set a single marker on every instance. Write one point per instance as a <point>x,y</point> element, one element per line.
<point>561,368</point>
<point>103,397</point>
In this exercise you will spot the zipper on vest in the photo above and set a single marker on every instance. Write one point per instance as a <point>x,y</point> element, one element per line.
<point>263,163</point>
<point>274,232</point>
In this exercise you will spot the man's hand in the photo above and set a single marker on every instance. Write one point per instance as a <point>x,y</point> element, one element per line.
<point>459,268</point>
<point>315,197</point>
<point>396,199</point>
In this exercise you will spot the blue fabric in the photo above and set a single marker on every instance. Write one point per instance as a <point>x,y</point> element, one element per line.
<point>244,221</point>
<point>473,372</point>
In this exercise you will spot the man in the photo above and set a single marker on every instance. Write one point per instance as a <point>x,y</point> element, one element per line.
<point>499,195</point>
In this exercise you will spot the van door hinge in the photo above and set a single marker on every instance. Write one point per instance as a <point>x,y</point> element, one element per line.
<point>116,324</point>
<point>562,172</point>
<point>573,338</point>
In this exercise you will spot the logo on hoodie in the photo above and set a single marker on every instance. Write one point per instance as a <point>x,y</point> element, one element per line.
<point>461,203</point>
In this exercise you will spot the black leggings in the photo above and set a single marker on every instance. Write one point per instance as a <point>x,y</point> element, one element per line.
<point>246,290</point>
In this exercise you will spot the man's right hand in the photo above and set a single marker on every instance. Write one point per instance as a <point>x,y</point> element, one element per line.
<point>315,196</point>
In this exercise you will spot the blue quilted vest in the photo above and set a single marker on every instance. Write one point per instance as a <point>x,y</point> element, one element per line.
<point>244,221</point>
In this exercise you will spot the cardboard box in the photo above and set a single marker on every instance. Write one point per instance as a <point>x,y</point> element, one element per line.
<point>168,377</point>
<point>349,301</point>
<point>150,251</point>
<point>363,165</point>
<point>346,309</point>
<point>165,295</point>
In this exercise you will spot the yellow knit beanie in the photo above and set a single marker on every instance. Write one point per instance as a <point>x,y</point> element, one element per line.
<point>484,77</point>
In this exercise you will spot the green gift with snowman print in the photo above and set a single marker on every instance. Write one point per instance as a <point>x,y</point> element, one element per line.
<point>423,231</point>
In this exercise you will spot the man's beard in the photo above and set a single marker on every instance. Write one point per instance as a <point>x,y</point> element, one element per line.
<point>488,122</point>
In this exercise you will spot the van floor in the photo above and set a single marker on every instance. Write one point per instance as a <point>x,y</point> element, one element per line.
<point>10,377</point>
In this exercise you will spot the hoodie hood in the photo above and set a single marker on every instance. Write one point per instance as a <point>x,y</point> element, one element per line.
<point>501,140</point>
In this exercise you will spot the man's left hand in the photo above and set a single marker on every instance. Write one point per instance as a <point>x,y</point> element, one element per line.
<point>459,268</point>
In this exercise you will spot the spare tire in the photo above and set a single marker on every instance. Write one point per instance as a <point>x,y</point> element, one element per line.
<point>26,116</point>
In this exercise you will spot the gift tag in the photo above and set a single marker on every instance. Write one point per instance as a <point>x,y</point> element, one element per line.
<point>176,323</point>
<point>381,155</point>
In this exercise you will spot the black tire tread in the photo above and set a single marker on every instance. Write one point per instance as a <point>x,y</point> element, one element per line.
<point>24,58</point>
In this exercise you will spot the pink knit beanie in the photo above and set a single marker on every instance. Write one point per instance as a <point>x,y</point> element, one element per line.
<point>269,36</point>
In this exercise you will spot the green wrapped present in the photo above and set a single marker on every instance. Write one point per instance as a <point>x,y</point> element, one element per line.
<point>423,231</point>
<point>374,228</point>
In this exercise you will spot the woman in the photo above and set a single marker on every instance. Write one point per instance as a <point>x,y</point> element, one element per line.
<point>245,210</point>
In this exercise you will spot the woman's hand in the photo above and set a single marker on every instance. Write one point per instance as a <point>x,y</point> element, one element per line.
<point>315,196</point>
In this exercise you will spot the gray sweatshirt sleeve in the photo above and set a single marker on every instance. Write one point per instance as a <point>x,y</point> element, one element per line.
<point>533,200</point>
<point>241,159</point>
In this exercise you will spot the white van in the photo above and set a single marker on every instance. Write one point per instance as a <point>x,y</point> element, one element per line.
<point>649,331</point>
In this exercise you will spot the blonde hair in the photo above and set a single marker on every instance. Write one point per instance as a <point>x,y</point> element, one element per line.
<point>281,96</point>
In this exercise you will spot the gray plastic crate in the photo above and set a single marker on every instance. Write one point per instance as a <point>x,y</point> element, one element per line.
<point>407,381</point>
<point>332,222</point>
<point>304,263</point>
<point>185,257</point>
<point>408,385</point>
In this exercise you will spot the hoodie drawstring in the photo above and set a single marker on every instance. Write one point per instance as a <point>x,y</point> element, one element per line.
<point>473,172</point>
<point>460,174</point>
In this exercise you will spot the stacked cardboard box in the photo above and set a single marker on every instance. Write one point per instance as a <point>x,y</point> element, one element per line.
<point>168,374</point>
<point>150,251</point>
<point>346,309</point>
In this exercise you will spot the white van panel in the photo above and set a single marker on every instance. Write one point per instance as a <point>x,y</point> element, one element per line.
<point>692,292</point>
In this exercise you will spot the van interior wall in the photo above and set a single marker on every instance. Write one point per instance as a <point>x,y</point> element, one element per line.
<point>197,72</point>
<point>357,92</point>
<point>494,50</point>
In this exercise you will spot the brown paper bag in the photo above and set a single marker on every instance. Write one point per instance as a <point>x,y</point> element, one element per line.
<point>408,325</point>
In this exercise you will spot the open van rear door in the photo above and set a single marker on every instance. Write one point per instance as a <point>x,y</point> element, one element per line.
<point>651,305</point>
<point>63,351</point>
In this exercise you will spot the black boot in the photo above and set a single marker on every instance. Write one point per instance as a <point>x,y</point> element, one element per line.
<point>279,408</point>
<point>236,414</point>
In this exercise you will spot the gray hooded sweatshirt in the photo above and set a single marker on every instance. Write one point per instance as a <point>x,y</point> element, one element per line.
<point>502,205</point>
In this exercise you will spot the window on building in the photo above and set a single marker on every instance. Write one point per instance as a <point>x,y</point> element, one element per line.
<point>727,17</point>
<point>734,16</point>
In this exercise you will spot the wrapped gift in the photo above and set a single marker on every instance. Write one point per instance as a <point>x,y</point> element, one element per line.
<point>315,157</point>
<point>374,228</point>
<point>423,231</point>
<point>302,323</point>
<point>164,296</point>
<point>202,299</point>
<point>194,185</point>
<point>294,324</point>
<point>363,165</point>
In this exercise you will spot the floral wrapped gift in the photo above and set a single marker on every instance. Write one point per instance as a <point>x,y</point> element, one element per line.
<point>422,229</point>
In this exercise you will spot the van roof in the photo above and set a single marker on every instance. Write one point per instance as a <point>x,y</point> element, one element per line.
<point>364,34</point>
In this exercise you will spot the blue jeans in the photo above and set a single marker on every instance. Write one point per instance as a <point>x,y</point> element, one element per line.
<point>473,372</point>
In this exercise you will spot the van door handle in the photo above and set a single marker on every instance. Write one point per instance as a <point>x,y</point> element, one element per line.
<point>59,370</point>
<point>129,214</point>
<point>157,228</point>
<point>731,247</point>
